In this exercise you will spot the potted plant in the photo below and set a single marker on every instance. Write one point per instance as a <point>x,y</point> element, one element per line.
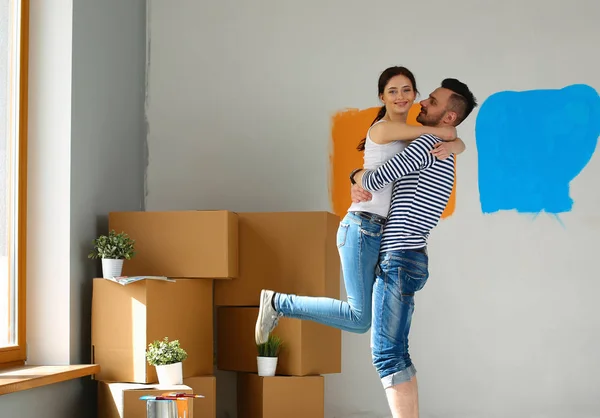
<point>167,357</point>
<point>113,250</point>
<point>268,354</point>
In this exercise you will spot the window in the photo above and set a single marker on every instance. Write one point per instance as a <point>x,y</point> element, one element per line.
<point>14,28</point>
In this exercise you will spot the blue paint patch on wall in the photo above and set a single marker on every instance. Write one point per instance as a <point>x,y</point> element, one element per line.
<point>531,144</point>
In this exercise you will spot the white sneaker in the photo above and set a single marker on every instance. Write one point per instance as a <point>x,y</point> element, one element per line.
<point>267,317</point>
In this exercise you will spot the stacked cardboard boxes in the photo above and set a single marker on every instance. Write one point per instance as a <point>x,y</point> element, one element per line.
<point>220,261</point>
<point>290,252</point>
<point>196,248</point>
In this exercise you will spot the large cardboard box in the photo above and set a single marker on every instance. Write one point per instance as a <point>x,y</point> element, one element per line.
<point>125,319</point>
<point>193,244</point>
<point>308,348</point>
<point>280,396</point>
<point>122,400</point>
<point>291,252</point>
<point>206,386</point>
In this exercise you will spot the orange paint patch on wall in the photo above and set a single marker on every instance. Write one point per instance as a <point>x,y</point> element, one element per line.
<point>348,128</point>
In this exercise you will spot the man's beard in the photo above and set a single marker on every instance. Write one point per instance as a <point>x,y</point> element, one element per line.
<point>426,120</point>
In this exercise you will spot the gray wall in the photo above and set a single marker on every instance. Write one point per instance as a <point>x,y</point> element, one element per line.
<point>107,164</point>
<point>107,137</point>
<point>59,400</point>
<point>240,98</point>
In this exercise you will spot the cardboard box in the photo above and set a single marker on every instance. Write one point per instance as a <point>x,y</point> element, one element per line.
<point>125,319</point>
<point>308,348</point>
<point>291,252</point>
<point>122,400</point>
<point>279,396</point>
<point>191,244</point>
<point>206,386</point>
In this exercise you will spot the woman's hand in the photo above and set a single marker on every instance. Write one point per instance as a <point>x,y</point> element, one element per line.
<point>442,150</point>
<point>447,133</point>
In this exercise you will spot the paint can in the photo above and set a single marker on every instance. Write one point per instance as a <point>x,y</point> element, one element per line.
<point>162,408</point>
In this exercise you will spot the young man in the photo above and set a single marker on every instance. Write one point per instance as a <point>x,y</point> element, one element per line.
<point>422,187</point>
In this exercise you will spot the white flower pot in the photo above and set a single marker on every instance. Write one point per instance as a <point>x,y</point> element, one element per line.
<point>266,366</point>
<point>170,374</point>
<point>111,267</point>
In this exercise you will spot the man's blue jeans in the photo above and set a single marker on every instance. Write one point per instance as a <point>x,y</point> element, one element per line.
<point>399,276</point>
<point>358,241</point>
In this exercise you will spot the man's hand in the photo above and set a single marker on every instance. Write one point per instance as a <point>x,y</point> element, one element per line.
<point>358,194</point>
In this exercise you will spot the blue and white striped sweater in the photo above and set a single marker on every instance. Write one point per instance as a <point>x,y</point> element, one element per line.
<point>423,185</point>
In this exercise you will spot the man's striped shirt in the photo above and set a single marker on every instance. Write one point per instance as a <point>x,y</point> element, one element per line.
<point>423,185</point>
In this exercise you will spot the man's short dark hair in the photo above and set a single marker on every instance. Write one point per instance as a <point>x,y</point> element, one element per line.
<point>462,101</point>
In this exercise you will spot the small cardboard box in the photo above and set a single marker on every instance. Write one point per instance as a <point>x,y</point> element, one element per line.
<point>206,386</point>
<point>126,318</point>
<point>191,244</point>
<point>280,396</point>
<point>308,348</point>
<point>122,400</point>
<point>290,252</point>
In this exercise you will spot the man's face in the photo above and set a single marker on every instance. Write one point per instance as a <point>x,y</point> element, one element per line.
<point>433,109</point>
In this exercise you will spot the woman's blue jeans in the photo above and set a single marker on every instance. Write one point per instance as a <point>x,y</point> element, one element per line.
<point>358,242</point>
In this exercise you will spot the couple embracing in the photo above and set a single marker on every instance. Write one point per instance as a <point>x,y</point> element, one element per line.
<point>397,199</point>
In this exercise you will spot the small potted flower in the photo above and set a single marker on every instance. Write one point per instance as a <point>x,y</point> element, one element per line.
<point>268,354</point>
<point>113,249</point>
<point>167,357</point>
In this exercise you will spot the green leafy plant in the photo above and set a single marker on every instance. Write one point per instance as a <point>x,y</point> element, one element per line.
<point>115,246</point>
<point>161,353</point>
<point>271,348</point>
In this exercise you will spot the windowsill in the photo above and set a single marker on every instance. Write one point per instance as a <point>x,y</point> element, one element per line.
<point>21,378</point>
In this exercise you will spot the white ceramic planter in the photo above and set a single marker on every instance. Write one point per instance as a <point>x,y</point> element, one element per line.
<point>170,374</point>
<point>266,366</point>
<point>111,267</point>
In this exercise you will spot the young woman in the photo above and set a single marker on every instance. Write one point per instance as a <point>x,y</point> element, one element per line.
<point>360,231</point>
